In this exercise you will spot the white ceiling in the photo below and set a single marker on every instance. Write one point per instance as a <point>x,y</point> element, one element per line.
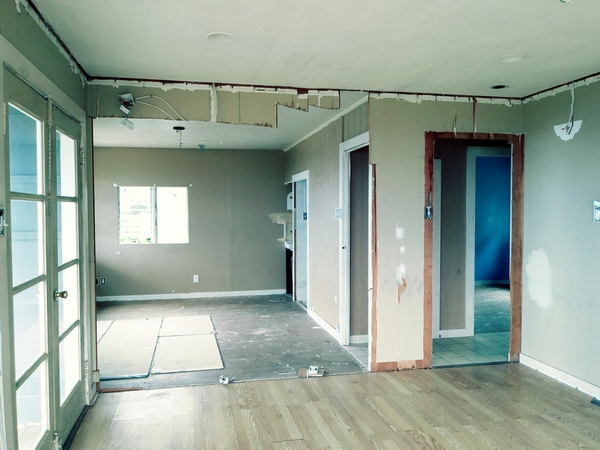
<point>419,46</point>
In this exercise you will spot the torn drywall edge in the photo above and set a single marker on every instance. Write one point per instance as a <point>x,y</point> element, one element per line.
<point>418,98</point>
<point>562,88</point>
<point>63,50</point>
<point>197,86</point>
<point>342,113</point>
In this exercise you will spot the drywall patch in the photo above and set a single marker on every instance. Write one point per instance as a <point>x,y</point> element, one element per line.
<point>401,269</point>
<point>539,278</point>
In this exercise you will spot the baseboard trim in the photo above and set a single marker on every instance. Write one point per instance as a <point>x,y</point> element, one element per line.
<point>323,324</point>
<point>130,298</point>
<point>359,339</point>
<point>463,332</point>
<point>560,376</point>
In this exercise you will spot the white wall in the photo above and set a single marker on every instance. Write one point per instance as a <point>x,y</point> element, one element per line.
<point>561,255</point>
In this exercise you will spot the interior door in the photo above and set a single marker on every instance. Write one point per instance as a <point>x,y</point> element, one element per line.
<point>359,242</point>
<point>301,242</point>
<point>43,256</point>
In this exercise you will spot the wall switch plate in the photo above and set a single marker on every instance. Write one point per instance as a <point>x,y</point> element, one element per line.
<point>338,213</point>
<point>195,278</point>
<point>103,281</point>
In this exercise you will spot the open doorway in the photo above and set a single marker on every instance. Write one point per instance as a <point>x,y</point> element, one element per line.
<point>488,226</point>
<point>300,218</point>
<point>473,187</point>
<point>356,191</point>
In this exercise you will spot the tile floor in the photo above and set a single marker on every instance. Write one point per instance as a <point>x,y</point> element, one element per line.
<point>360,352</point>
<point>478,349</point>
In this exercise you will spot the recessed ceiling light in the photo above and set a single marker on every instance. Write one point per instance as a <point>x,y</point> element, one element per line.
<point>499,86</point>
<point>510,58</point>
<point>222,37</point>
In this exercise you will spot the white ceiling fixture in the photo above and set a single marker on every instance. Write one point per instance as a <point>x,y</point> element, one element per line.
<point>221,37</point>
<point>516,57</point>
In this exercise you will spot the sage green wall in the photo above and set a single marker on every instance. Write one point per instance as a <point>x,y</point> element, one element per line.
<point>320,155</point>
<point>233,243</point>
<point>561,303</point>
<point>21,30</point>
<point>397,149</point>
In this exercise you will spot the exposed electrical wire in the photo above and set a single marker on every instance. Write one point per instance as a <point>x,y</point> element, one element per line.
<point>162,99</point>
<point>157,107</point>
<point>214,107</point>
<point>569,126</point>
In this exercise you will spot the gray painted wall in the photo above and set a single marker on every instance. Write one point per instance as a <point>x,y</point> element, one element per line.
<point>397,147</point>
<point>561,303</point>
<point>453,237</point>
<point>233,243</point>
<point>27,37</point>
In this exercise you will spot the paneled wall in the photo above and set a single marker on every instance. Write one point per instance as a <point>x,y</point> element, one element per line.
<point>320,155</point>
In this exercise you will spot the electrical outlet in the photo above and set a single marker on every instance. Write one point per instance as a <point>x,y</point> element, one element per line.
<point>195,278</point>
<point>103,281</point>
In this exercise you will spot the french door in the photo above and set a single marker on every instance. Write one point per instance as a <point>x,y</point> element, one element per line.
<point>44,262</point>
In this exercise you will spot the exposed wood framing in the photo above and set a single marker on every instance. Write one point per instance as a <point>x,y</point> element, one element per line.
<point>428,248</point>
<point>516,261</point>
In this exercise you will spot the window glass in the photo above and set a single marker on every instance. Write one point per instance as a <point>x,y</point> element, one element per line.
<point>153,215</point>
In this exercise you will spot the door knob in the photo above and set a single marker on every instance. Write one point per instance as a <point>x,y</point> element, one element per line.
<point>60,294</point>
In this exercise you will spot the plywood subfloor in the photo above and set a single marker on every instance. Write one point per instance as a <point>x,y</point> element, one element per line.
<point>481,407</point>
<point>186,353</point>
<point>127,348</point>
<point>186,325</point>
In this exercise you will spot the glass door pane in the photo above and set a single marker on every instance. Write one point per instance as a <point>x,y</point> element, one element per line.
<point>69,384</point>
<point>29,312</point>
<point>67,231</point>
<point>25,144</point>
<point>27,239</point>
<point>32,410</point>
<point>29,300</point>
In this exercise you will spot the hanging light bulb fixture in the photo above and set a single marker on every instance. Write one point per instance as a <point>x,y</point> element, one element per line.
<point>179,129</point>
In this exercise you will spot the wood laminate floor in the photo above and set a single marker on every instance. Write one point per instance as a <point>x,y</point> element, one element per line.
<point>479,407</point>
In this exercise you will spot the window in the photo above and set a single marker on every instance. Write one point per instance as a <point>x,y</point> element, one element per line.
<point>153,215</point>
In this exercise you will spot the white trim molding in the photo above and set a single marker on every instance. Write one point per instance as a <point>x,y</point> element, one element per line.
<point>345,148</point>
<point>359,339</point>
<point>182,296</point>
<point>323,324</point>
<point>560,376</point>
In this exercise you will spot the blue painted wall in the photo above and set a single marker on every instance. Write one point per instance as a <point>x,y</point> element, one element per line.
<point>492,218</point>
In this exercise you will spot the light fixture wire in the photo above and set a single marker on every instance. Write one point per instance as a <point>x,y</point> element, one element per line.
<point>569,126</point>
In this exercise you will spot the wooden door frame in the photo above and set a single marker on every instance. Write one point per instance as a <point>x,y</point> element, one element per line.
<point>516,141</point>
